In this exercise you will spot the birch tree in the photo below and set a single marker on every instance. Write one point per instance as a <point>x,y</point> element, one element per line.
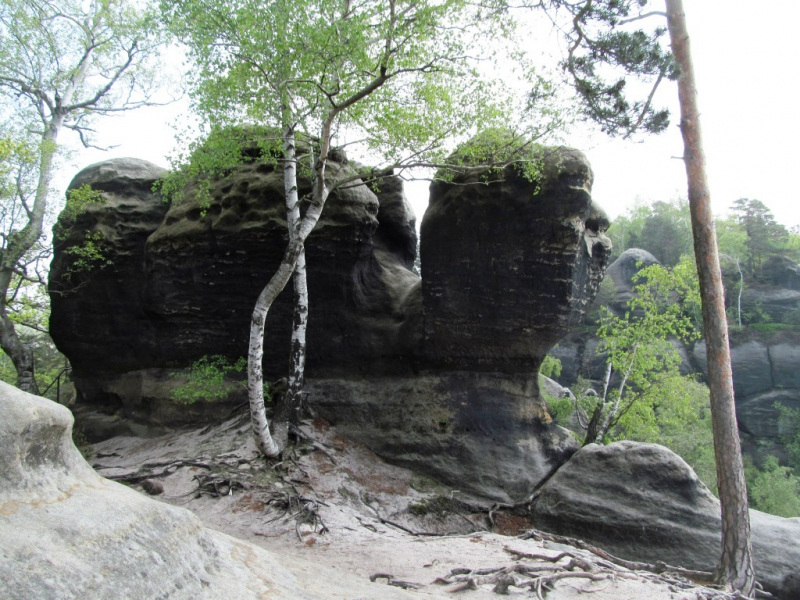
<point>599,36</point>
<point>61,65</point>
<point>394,74</point>
<point>639,350</point>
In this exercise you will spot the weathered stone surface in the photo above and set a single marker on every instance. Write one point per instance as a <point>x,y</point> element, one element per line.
<point>183,280</point>
<point>68,533</point>
<point>781,271</point>
<point>622,271</point>
<point>785,358</point>
<point>643,502</point>
<point>484,433</point>
<point>99,316</point>
<point>508,267</point>
<point>778,303</point>
<point>758,416</point>
<point>397,229</point>
<point>750,364</point>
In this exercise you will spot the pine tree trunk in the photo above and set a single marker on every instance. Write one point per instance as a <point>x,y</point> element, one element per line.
<point>735,568</point>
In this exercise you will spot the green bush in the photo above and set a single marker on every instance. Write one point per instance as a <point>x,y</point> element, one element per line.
<point>773,489</point>
<point>210,378</point>
<point>551,367</point>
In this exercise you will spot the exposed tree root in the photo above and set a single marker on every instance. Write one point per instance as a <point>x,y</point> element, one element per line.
<point>541,572</point>
<point>390,580</point>
<point>147,470</point>
<point>703,577</point>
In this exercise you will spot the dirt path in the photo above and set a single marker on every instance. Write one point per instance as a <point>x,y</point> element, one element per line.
<point>335,513</point>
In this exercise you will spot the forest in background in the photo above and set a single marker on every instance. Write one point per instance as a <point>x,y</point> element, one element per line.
<point>650,398</point>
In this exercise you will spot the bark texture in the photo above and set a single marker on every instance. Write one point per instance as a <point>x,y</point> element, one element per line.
<point>19,244</point>
<point>288,408</point>
<point>735,568</point>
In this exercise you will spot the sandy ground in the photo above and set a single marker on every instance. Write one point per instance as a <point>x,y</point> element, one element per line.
<point>339,528</point>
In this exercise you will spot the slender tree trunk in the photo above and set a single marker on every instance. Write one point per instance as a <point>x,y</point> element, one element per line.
<point>287,410</point>
<point>735,568</point>
<point>741,289</point>
<point>610,419</point>
<point>255,372</point>
<point>19,244</point>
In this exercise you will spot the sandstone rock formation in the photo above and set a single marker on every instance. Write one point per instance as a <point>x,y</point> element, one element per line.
<point>509,267</point>
<point>623,270</point>
<point>643,502</point>
<point>68,533</point>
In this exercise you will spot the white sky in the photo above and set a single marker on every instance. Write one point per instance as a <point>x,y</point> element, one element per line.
<point>748,94</point>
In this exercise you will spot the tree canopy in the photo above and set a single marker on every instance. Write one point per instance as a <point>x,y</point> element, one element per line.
<point>61,65</point>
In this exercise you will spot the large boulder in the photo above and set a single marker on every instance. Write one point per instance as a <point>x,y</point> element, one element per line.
<point>488,434</point>
<point>643,502</point>
<point>623,271</point>
<point>509,268</point>
<point>180,282</point>
<point>510,265</point>
<point>99,314</point>
<point>69,533</point>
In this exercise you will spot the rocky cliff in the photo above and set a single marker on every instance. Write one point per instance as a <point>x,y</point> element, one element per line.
<point>438,373</point>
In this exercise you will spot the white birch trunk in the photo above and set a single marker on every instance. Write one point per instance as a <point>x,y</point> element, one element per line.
<point>255,373</point>
<point>287,410</point>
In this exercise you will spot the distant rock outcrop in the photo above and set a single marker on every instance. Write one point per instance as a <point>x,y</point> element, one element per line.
<point>643,502</point>
<point>69,533</point>
<point>439,374</point>
<point>764,364</point>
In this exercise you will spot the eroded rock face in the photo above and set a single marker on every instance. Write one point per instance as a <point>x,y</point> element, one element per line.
<point>484,433</point>
<point>181,282</point>
<point>68,533</point>
<point>510,267</point>
<point>623,270</point>
<point>99,315</point>
<point>643,502</point>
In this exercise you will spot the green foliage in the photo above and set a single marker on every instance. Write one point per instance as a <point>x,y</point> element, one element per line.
<point>598,48</point>
<point>494,150</point>
<point>641,357</point>
<point>605,295</point>
<point>765,236</point>
<point>551,367</point>
<point>681,421</point>
<point>401,78</point>
<point>215,156</point>
<point>773,489</point>
<point>87,256</point>
<point>662,228</point>
<point>210,378</point>
<point>789,432</point>
<point>78,200</point>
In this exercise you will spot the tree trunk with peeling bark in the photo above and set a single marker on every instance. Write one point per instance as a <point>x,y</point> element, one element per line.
<point>268,444</point>
<point>287,409</point>
<point>735,568</point>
